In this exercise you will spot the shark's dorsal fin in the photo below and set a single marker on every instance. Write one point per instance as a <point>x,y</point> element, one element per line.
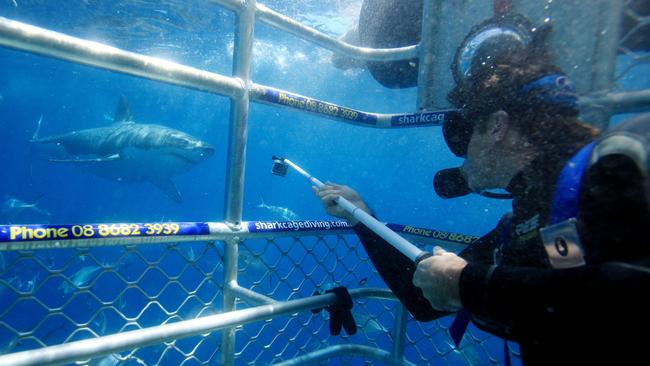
<point>123,112</point>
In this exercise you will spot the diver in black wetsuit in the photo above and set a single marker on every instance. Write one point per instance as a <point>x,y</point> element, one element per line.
<point>520,129</point>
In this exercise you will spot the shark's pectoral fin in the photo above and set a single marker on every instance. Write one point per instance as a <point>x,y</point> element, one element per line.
<point>167,186</point>
<point>104,159</point>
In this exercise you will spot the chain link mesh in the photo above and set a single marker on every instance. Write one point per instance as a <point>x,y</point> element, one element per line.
<point>55,296</point>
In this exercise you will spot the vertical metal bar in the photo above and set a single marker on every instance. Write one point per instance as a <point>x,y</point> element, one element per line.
<point>238,135</point>
<point>604,68</point>
<point>399,334</point>
<point>444,26</point>
<point>231,251</point>
<point>239,114</point>
<point>427,52</point>
<point>583,46</point>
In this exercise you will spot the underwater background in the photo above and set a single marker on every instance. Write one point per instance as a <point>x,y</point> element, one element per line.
<point>392,169</point>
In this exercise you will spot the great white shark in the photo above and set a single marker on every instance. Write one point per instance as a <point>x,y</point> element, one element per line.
<point>127,151</point>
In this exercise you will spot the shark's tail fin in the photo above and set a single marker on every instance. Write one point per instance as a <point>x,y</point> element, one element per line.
<point>40,211</point>
<point>37,200</point>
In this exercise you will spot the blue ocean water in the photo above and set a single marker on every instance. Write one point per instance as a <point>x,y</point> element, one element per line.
<point>392,169</point>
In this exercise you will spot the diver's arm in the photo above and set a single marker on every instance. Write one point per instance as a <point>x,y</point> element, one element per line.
<point>483,249</point>
<point>535,299</point>
<point>397,270</point>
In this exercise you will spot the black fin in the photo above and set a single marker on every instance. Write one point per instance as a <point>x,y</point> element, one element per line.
<point>123,111</point>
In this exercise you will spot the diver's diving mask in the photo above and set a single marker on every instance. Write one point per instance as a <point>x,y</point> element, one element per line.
<point>494,36</point>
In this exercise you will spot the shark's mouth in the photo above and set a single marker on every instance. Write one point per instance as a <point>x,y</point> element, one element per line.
<point>183,158</point>
<point>193,158</point>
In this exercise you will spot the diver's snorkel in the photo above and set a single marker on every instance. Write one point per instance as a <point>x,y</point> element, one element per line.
<point>280,167</point>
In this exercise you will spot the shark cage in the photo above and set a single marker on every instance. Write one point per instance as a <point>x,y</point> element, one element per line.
<point>237,292</point>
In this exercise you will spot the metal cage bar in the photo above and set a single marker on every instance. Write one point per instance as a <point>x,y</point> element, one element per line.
<point>41,41</point>
<point>31,237</point>
<point>426,62</point>
<point>235,173</point>
<point>90,348</point>
<point>321,39</point>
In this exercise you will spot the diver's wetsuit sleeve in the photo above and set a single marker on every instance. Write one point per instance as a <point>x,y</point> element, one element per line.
<point>538,302</point>
<point>482,250</point>
<point>397,271</point>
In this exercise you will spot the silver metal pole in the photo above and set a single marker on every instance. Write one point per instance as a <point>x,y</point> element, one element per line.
<point>626,102</point>
<point>427,54</point>
<point>28,38</point>
<point>604,55</point>
<point>90,348</point>
<point>399,333</point>
<point>34,237</point>
<point>250,296</point>
<point>316,357</point>
<point>310,34</point>
<point>404,246</point>
<point>229,297</point>
<point>44,42</point>
<point>239,106</point>
<point>235,173</point>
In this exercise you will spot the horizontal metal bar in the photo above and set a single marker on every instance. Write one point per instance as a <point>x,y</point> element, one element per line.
<point>338,350</point>
<point>273,96</point>
<point>317,37</point>
<point>44,42</point>
<point>310,34</point>
<point>41,41</point>
<point>31,237</point>
<point>626,102</point>
<point>250,296</point>
<point>91,348</point>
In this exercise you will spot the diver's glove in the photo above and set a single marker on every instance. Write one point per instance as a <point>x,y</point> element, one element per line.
<point>340,312</point>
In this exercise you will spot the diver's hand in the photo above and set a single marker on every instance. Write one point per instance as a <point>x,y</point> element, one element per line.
<point>438,277</point>
<point>331,191</point>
